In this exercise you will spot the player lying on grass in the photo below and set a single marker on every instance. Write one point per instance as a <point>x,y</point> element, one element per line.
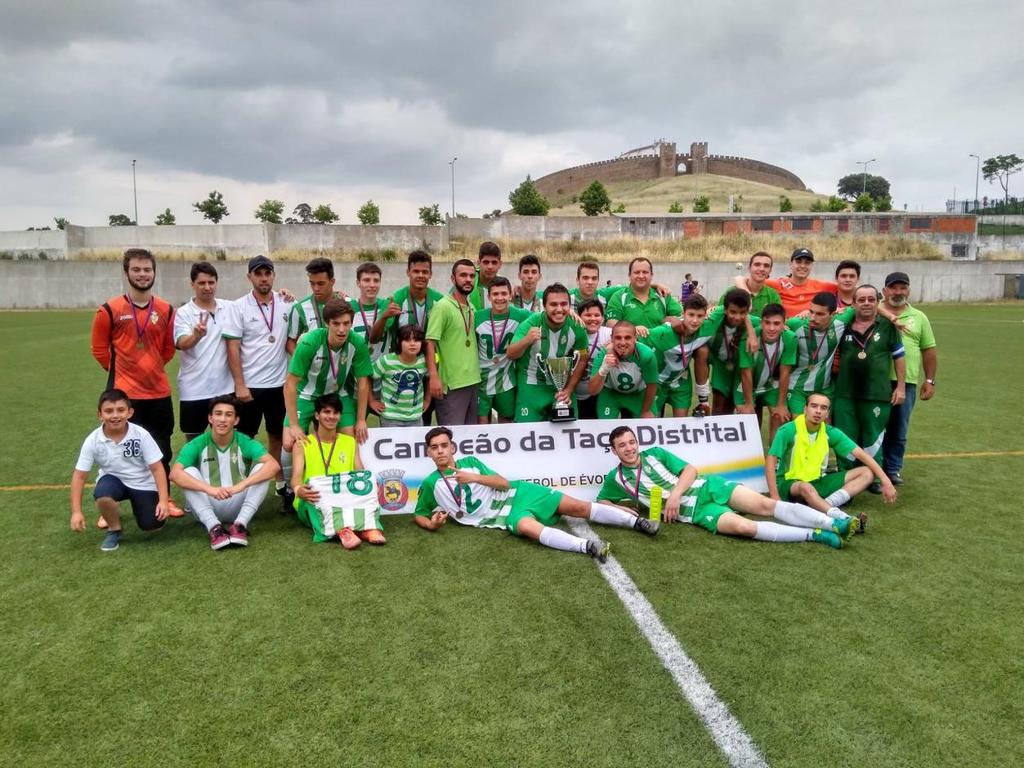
<point>335,496</point>
<point>795,467</point>
<point>475,495</point>
<point>224,475</point>
<point>131,468</point>
<point>710,502</point>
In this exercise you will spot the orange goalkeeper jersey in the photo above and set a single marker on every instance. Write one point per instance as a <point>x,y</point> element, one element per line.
<point>134,344</point>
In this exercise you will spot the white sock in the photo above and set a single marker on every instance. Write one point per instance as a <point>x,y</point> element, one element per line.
<point>801,515</point>
<point>202,509</point>
<point>836,513</point>
<point>605,514</point>
<point>558,539</point>
<point>781,533</point>
<point>254,496</point>
<point>838,498</point>
<point>286,468</point>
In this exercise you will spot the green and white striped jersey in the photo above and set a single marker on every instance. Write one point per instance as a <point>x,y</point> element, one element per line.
<point>553,342</point>
<point>348,500</point>
<point>306,315</point>
<point>471,504</point>
<point>633,373</point>
<point>767,361</point>
<point>493,335</point>
<point>657,467</point>
<point>221,467</point>
<point>402,386</point>
<point>318,373</point>
<point>363,319</point>
<point>673,354</point>
<point>726,344</point>
<point>815,350</point>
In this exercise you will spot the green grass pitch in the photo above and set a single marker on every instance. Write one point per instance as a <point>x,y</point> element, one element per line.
<point>471,648</point>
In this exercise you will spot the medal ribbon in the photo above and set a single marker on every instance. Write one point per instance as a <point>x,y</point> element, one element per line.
<point>416,315</point>
<point>771,361</point>
<point>495,337</point>
<point>457,496</point>
<point>590,354</point>
<point>867,338</point>
<point>467,320</point>
<point>330,361</point>
<point>320,447</point>
<point>269,323</point>
<point>817,350</point>
<point>369,325</point>
<point>140,331</point>
<point>635,493</point>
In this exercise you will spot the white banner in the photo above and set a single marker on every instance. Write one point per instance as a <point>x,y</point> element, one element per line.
<point>570,456</point>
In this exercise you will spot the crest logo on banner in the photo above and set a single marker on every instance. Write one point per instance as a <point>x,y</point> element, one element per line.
<point>392,492</point>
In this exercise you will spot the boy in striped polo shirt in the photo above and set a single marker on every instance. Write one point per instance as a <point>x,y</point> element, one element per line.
<point>710,502</point>
<point>401,379</point>
<point>224,474</point>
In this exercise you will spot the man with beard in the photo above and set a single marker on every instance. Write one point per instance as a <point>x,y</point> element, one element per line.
<point>133,340</point>
<point>921,362</point>
<point>451,335</point>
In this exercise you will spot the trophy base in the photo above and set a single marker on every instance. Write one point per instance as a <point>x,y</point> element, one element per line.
<point>562,412</point>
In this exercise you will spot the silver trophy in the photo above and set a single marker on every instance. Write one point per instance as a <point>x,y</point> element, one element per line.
<point>558,371</point>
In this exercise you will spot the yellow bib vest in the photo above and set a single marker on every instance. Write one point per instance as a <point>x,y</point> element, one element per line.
<point>807,458</point>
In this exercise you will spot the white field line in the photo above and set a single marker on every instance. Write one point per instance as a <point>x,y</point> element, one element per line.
<point>728,733</point>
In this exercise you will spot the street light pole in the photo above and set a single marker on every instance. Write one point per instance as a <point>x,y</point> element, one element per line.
<point>452,164</point>
<point>135,193</point>
<point>977,175</point>
<point>864,175</point>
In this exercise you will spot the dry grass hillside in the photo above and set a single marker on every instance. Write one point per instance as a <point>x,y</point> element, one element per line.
<point>657,195</point>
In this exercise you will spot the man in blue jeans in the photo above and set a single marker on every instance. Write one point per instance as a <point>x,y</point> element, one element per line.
<point>921,363</point>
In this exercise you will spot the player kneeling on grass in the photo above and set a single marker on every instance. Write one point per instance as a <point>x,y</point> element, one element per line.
<point>796,463</point>
<point>710,502</point>
<point>131,468</point>
<point>474,495</point>
<point>224,475</point>
<point>335,496</point>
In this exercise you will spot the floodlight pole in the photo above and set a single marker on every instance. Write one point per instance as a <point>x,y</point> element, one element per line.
<point>452,164</point>
<point>977,175</point>
<point>864,175</point>
<point>135,194</point>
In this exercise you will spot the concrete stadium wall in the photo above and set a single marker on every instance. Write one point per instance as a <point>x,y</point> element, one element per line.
<point>1008,220</point>
<point>33,244</point>
<point>83,284</point>
<point>514,227</point>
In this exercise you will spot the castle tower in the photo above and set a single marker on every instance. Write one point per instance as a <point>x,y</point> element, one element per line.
<point>699,157</point>
<point>666,160</point>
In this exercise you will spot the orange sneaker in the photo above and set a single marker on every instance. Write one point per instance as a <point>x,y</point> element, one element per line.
<point>102,523</point>
<point>349,540</point>
<point>372,536</point>
<point>173,510</point>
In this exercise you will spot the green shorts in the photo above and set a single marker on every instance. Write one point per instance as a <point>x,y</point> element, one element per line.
<point>724,377</point>
<point>678,397</point>
<point>532,500</point>
<point>825,485</point>
<point>535,401</point>
<point>611,404</point>
<point>712,502</point>
<point>503,402</point>
<point>305,409</point>
<point>769,398</point>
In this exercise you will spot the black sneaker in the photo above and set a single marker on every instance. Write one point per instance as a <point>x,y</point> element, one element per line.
<point>863,517</point>
<point>646,525</point>
<point>287,500</point>
<point>598,550</point>
<point>875,487</point>
<point>896,478</point>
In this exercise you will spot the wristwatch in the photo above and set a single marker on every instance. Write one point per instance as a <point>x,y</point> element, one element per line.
<point>930,381</point>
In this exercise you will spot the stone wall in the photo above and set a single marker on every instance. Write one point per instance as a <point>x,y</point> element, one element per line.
<point>561,185</point>
<point>753,170</point>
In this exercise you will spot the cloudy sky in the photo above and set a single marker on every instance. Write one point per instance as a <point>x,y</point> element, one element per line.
<point>341,101</point>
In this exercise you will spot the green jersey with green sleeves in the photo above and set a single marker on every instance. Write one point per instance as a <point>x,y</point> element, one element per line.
<point>221,467</point>
<point>321,369</point>
<point>864,360</point>
<point>631,486</point>
<point>633,373</point>
<point>493,335</point>
<point>815,350</point>
<point>673,354</point>
<point>758,301</point>
<point>768,359</point>
<point>785,439</point>
<point>553,342</point>
<point>602,294</point>
<point>624,305</point>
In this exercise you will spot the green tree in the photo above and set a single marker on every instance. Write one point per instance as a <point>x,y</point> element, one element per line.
<point>1000,168</point>
<point>213,207</point>
<point>430,215</point>
<point>620,208</point>
<point>526,200</point>
<point>60,221</point>
<point>863,203</point>
<point>303,214</point>
<point>493,214</point>
<point>785,204</point>
<point>368,213</point>
<point>702,204</point>
<point>165,219</point>
<point>851,185</point>
<point>323,214</point>
<point>883,204</point>
<point>675,207</point>
<point>270,211</point>
<point>836,204</point>
<point>120,220</point>
<point>819,206</point>
<point>594,199</point>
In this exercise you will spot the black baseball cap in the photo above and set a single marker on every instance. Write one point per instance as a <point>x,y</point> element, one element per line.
<point>260,262</point>
<point>896,277</point>
<point>802,253</point>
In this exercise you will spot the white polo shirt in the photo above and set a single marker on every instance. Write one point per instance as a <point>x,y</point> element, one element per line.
<point>127,460</point>
<point>203,369</point>
<point>264,362</point>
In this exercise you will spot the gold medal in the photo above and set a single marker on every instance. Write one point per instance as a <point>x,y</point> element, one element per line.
<point>140,345</point>
<point>271,338</point>
<point>862,355</point>
<point>467,342</point>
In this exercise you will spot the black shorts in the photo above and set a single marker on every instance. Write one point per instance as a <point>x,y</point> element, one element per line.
<point>143,502</point>
<point>157,418</point>
<point>267,406</point>
<point>193,415</point>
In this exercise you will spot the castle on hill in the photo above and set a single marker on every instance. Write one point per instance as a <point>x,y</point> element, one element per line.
<point>660,160</point>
